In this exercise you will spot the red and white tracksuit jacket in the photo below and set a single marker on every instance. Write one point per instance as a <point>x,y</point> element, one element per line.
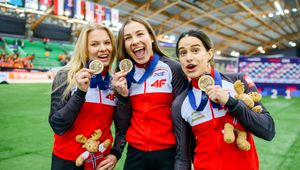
<point>206,129</point>
<point>151,125</point>
<point>82,114</point>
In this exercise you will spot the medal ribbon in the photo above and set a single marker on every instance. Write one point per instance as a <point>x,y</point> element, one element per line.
<point>97,80</point>
<point>148,71</point>
<point>204,98</point>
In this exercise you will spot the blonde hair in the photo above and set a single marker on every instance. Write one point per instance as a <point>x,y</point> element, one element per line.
<point>80,56</point>
<point>121,52</point>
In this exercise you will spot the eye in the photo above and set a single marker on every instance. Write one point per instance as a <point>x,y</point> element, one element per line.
<point>195,50</point>
<point>140,34</point>
<point>94,44</point>
<point>107,42</point>
<point>127,38</point>
<point>182,53</point>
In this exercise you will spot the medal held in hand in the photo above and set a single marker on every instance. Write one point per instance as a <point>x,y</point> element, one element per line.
<point>96,66</point>
<point>205,81</point>
<point>125,65</point>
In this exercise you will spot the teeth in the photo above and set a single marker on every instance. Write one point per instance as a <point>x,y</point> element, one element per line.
<point>103,55</point>
<point>137,49</point>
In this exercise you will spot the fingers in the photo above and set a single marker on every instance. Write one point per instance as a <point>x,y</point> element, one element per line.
<point>121,73</point>
<point>217,94</point>
<point>105,166</point>
<point>84,80</point>
<point>212,92</point>
<point>119,76</point>
<point>119,83</point>
<point>212,97</point>
<point>83,77</point>
<point>108,163</point>
<point>84,73</point>
<point>90,71</point>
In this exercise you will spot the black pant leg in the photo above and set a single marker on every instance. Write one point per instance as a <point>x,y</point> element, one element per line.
<point>154,160</point>
<point>163,159</point>
<point>135,159</point>
<point>61,164</point>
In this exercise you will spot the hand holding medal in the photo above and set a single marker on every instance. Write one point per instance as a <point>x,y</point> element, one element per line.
<point>119,81</point>
<point>215,92</point>
<point>97,66</point>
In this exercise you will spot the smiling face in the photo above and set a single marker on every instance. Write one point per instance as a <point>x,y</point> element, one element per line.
<point>99,46</point>
<point>193,57</point>
<point>138,42</point>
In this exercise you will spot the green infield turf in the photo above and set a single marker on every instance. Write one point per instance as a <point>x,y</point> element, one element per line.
<point>26,137</point>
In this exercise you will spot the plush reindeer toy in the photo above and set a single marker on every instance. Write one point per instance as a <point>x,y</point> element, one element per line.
<point>94,150</point>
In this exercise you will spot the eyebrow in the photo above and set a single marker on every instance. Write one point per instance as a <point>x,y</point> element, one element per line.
<point>195,45</point>
<point>180,48</point>
<point>135,32</point>
<point>140,31</point>
<point>93,41</point>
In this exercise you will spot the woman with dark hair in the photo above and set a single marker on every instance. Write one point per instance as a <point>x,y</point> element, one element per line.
<point>145,97</point>
<point>199,113</point>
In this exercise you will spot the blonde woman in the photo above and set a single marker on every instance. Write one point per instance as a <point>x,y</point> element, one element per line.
<point>81,101</point>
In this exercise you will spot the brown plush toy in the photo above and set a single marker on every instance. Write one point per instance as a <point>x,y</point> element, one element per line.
<point>249,99</point>
<point>94,150</point>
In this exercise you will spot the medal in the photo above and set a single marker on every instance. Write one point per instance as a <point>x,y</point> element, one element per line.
<point>205,81</point>
<point>96,66</point>
<point>125,65</point>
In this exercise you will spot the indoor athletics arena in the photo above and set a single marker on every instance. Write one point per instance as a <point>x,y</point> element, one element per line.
<point>257,38</point>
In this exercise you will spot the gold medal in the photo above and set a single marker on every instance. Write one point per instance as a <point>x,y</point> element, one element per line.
<point>125,65</point>
<point>205,81</point>
<point>96,66</point>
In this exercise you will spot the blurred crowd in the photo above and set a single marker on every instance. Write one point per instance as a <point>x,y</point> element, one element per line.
<point>14,61</point>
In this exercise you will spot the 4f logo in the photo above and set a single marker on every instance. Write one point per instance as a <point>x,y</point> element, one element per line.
<point>159,83</point>
<point>111,97</point>
<point>159,74</point>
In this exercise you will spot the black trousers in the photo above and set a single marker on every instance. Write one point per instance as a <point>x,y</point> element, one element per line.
<point>154,160</point>
<point>61,164</point>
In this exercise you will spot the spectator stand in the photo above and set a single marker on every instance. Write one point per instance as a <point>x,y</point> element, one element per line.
<point>273,76</point>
